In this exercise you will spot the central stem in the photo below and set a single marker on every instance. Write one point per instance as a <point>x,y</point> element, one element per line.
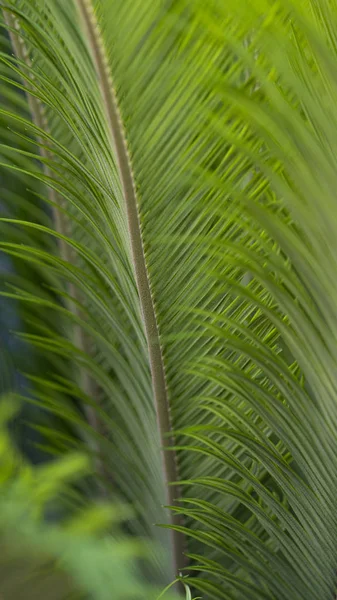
<point>146,301</point>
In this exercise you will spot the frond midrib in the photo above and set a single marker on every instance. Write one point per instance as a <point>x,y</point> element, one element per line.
<point>118,138</point>
<point>39,119</point>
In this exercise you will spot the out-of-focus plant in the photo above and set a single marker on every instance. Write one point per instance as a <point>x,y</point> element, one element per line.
<point>72,558</point>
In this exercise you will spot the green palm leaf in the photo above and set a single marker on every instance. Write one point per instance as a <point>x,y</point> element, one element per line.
<point>188,153</point>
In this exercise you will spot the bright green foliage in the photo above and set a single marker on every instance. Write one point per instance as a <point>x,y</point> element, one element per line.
<point>66,560</point>
<point>228,110</point>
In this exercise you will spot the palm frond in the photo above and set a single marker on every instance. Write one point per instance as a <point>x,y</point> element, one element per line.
<point>208,211</point>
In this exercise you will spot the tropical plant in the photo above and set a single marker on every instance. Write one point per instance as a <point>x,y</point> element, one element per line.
<point>67,559</point>
<point>169,211</point>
